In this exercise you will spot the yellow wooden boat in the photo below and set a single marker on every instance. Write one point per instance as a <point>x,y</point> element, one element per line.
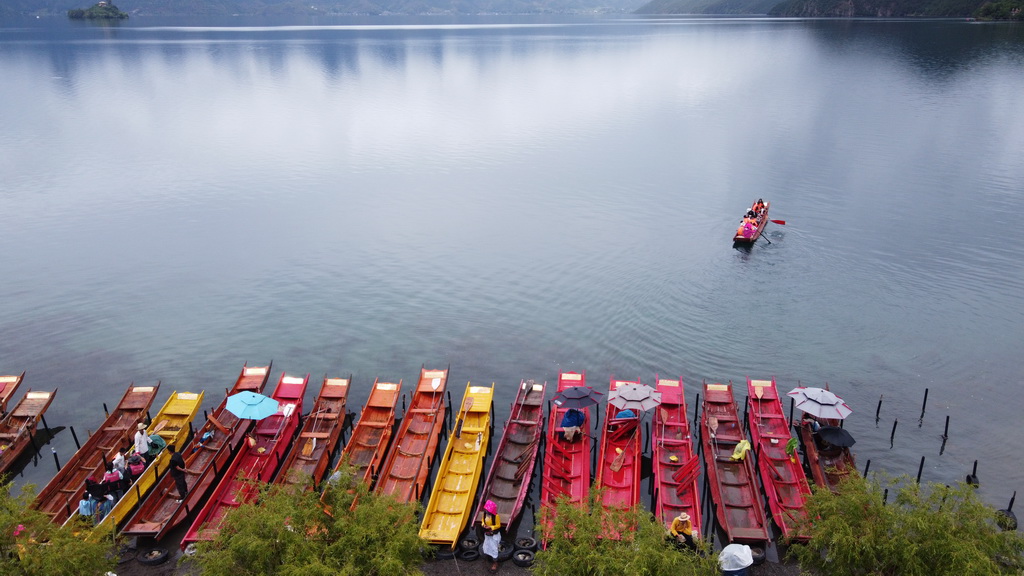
<point>451,500</point>
<point>171,424</point>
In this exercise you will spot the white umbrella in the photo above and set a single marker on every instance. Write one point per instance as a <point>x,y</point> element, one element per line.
<point>735,557</point>
<point>820,403</point>
<point>640,397</point>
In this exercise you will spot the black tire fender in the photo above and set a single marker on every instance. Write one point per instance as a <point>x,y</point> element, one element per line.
<point>526,543</point>
<point>505,551</point>
<point>444,553</point>
<point>523,558</point>
<point>153,557</point>
<point>757,553</point>
<point>469,542</point>
<point>470,555</point>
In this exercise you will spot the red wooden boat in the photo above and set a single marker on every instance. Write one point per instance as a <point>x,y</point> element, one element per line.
<point>365,449</point>
<point>59,499</point>
<point>8,386</point>
<point>213,448</point>
<point>404,474</point>
<point>733,482</point>
<point>782,474</point>
<point>566,469</point>
<point>749,234</point>
<point>675,462</point>
<point>618,467</point>
<point>309,457</point>
<point>829,464</point>
<point>18,428</point>
<point>262,453</point>
<point>509,478</point>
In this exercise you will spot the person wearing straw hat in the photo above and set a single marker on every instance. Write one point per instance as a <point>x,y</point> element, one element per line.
<point>491,524</point>
<point>682,530</point>
<point>142,442</point>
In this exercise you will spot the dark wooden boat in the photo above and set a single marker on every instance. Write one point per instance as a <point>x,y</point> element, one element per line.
<point>618,467</point>
<point>309,457</point>
<point>211,451</point>
<point>782,474</point>
<point>566,468</point>
<point>674,459</point>
<point>733,483</point>
<point>262,453</point>
<point>59,498</point>
<point>8,386</point>
<point>406,470</point>
<point>366,448</point>
<point>743,236</point>
<point>18,428</point>
<point>509,478</point>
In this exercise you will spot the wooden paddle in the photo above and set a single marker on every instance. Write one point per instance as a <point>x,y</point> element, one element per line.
<point>465,408</point>
<point>218,425</point>
<point>620,458</point>
<point>159,426</point>
<point>713,425</point>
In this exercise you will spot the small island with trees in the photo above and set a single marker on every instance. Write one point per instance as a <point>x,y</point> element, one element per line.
<point>103,10</point>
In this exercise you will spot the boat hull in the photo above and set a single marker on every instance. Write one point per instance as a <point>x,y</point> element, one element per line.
<point>741,238</point>
<point>733,483</point>
<point>782,474</point>
<point>675,462</point>
<point>405,473</point>
<point>309,457</point>
<point>566,468</point>
<point>458,475</point>
<point>511,471</point>
<point>18,428</point>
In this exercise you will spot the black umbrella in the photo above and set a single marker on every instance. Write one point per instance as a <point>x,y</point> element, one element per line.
<point>836,436</point>
<point>577,397</point>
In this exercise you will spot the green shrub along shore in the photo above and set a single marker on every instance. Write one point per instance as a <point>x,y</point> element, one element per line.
<point>873,527</point>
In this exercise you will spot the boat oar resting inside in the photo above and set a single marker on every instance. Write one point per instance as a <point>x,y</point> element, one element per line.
<point>211,451</point>
<point>405,472</point>
<point>782,474</point>
<point>511,472</point>
<point>458,474</point>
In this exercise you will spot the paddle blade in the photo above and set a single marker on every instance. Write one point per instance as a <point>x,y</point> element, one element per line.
<point>618,462</point>
<point>780,222</point>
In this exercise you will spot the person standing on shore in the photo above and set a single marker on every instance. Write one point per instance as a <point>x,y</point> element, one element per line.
<point>178,472</point>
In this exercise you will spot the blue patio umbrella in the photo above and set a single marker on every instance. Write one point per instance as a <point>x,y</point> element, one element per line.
<point>251,406</point>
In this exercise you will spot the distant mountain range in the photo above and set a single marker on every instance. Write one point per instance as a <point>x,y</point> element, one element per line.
<point>797,8</point>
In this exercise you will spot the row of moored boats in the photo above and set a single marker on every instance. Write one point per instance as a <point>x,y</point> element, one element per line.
<point>289,448</point>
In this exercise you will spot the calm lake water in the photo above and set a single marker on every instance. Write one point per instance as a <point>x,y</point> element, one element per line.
<point>515,197</point>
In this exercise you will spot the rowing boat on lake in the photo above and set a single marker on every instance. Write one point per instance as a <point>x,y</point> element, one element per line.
<point>59,498</point>
<point>405,472</point>
<point>618,466</point>
<point>750,229</point>
<point>733,480</point>
<point>18,428</point>
<point>309,457</point>
<point>458,474</point>
<point>211,451</point>
<point>566,468</point>
<point>366,448</point>
<point>675,462</point>
<point>509,478</point>
<point>261,455</point>
<point>782,474</point>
